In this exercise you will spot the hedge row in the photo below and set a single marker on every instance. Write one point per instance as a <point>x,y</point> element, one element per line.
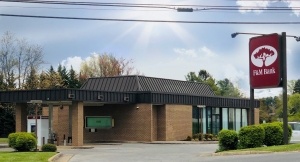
<point>253,136</point>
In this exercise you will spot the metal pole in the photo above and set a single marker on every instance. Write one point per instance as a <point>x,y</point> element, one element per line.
<point>284,88</point>
<point>252,105</point>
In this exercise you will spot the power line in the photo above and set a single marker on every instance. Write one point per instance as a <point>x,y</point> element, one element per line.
<point>167,6</point>
<point>107,9</point>
<point>143,20</point>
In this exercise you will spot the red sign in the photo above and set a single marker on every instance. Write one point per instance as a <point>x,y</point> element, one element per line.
<point>264,61</point>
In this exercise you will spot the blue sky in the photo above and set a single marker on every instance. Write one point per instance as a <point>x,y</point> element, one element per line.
<point>167,50</point>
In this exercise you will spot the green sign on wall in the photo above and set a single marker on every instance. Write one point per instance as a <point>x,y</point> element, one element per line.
<point>98,122</point>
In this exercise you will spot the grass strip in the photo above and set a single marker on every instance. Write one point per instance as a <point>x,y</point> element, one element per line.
<point>280,148</point>
<point>26,156</point>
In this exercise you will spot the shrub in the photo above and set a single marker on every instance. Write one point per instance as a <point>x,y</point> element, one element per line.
<point>197,136</point>
<point>49,148</point>
<point>251,136</point>
<point>273,134</point>
<point>22,141</point>
<point>208,136</point>
<point>289,128</point>
<point>188,138</point>
<point>228,140</point>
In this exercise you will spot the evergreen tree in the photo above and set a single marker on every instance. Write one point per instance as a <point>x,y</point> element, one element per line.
<point>32,81</point>
<point>297,87</point>
<point>64,75</point>
<point>73,79</point>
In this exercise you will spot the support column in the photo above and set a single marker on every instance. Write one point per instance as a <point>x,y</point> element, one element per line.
<point>77,123</point>
<point>70,124</point>
<point>50,123</point>
<point>21,117</point>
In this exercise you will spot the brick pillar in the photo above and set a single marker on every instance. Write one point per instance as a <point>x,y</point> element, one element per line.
<point>21,117</point>
<point>77,123</point>
<point>256,115</point>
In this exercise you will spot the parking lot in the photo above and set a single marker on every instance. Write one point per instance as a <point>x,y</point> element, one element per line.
<point>142,152</point>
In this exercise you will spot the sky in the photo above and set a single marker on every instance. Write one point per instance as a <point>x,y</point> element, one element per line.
<point>164,50</point>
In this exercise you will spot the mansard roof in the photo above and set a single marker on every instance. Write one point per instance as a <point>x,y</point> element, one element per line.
<point>138,83</point>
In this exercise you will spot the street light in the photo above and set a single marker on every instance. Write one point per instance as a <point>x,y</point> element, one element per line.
<point>284,82</point>
<point>233,35</point>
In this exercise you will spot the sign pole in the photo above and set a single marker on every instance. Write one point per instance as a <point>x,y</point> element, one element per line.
<point>252,105</point>
<point>284,89</point>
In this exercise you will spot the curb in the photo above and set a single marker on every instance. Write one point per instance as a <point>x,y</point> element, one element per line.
<point>237,153</point>
<point>181,142</point>
<point>82,147</point>
<point>55,157</point>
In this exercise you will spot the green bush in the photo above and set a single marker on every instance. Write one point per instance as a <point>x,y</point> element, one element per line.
<point>273,134</point>
<point>49,148</point>
<point>289,128</point>
<point>228,139</point>
<point>197,136</point>
<point>208,136</point>
<point>188,138</point>
<point>22,141</point>
<point>251,136</point>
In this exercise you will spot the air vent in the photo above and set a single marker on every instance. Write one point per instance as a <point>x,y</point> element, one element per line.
<point>71,96</point>
<point>100,97</point>
<point>126,99</point>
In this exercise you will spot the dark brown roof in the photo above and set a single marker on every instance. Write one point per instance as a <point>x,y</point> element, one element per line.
<point>135,83</point>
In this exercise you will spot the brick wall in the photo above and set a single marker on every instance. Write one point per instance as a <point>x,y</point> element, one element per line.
<point>178,121</point>
<point>256,116</point>
<point>154,123</point>
<point>161,123</point>
<point>21,117</point>
<point>130,123</point>
<point>60,122</point>
<point>77,123</point>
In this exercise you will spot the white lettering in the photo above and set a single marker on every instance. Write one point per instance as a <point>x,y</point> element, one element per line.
<point>264,71</point>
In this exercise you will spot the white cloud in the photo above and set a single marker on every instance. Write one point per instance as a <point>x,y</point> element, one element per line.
<point>208,52</point>
<point>247,6</point>
<point>294,4</point>
<point>72,61</point>
<point>187,52</point>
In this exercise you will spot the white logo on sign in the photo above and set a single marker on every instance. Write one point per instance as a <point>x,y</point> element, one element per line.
<point>264,55</point>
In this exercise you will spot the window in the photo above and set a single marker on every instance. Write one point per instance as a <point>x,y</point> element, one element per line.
<point>204,121</point>
<point>231,121</point>
<point>225,118</point>
<point>238,119</point>
<point>244,118</point>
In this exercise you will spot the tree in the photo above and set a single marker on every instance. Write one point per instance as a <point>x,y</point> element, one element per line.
<point>192,77</point>
<point>7,120</point>
<point>294,103</point>
<point>203,77</point>
<point>291,86</point>
<point>64,75</point>
<point>228,89</point>
<point>32,81</point>
<point>105,65</point>
<point>17,56</point>
<point>297,87</point>
<point>73,79</point>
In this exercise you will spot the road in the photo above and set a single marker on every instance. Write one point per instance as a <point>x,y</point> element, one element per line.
<point>138,152</point>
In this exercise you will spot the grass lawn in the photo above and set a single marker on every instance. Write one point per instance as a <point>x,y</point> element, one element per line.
<point>3,140</point>
<point>280,148</point>
<point>25,156</point>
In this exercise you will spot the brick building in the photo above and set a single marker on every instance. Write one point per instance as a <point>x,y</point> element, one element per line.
<point>138,108</point>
